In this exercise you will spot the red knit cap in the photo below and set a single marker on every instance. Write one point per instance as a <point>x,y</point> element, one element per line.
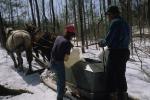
<point>70,28</point>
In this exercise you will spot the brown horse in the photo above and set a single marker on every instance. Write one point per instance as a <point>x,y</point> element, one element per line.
<point>43,41</point>
<point>17,42</point>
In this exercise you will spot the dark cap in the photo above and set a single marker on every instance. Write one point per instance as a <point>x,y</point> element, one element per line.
<point>113,10</point>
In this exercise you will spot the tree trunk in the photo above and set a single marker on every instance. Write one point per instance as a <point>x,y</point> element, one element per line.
<point>75,17</point>
<point>149,15</point>
<point>38,14</point>
<point>115,2</point>
<point>84,21</point>
<point>140,19</point>
<point>100,9</point>
<point>2,33</point>
<point>104,6</point>
<point>11,13</point>
<point>109,2</point>
<point>45,20</point>
<point>54,22</point>
<point>32,13</point>
<point>43,15</point>
<point>104,9</point>
<point>50,12</point>
<point>93,23</point>
<point>66,12</point>
<point>149,11</point>
<point>129,19</point>
<point>80,10</point>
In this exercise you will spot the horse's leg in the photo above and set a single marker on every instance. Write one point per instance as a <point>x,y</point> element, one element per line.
<point>29,59</point>
<point>44,59</point>
<point>13,58</point>
<point>36,52</point>
<point>28,49</point>
<point>48,54</point>
<point>20,61</point>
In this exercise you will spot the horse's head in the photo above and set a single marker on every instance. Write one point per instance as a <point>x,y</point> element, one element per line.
<point>8,31</point>
<point>32,29</point>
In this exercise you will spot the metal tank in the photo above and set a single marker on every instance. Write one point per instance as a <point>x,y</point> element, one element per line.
<point>88,75</point>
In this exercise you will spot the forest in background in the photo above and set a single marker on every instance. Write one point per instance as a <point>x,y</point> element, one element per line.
<point>87,15</point>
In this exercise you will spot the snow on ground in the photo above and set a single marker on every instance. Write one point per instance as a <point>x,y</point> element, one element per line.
<point>138,82</point>
<point>11,78</point>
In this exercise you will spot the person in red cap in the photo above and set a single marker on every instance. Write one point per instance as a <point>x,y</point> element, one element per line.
<point>60,53</point>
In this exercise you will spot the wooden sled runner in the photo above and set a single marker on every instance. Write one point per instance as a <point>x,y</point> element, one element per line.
<point>51,83</point>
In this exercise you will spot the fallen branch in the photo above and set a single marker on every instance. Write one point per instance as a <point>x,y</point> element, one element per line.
<point>143,51</point>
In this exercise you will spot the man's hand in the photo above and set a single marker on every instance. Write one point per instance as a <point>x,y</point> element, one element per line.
<point>102,43</point>
<point>66,57</point>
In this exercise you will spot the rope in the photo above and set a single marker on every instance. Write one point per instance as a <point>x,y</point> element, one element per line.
<point>47,40</point>
<point>46,47</point>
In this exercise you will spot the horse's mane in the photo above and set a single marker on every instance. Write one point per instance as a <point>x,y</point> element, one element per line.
<point>20,31</point>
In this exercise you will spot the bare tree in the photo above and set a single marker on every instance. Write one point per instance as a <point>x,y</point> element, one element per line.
<point>32,12</point>
<point>38,14</point>
<point>75,16</point>
<point>129,19</point>
<point>148,13</point>
<point>104,5</point>
<point>93,22</point>
<point>66,17</point>
<point>11,13</point>
<point>44,18</point>
<point>85,28</point>
<point>2,33</point>
<point>80,11</point>
<point>50,12</point>
<point>100,9</point>
<point>109,2</point>
<point>53,13</point>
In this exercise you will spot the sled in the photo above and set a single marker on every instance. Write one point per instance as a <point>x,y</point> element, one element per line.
<point>51,83</point>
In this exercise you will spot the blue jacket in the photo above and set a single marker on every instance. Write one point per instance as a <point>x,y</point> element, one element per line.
<point>61,47</point>
<point>119,34</point>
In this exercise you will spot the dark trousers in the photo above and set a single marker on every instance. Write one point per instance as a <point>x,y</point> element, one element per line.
<point>59,69</point>
<point>116,68</point>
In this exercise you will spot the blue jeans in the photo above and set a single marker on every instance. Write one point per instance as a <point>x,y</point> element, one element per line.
<point>59,70</point>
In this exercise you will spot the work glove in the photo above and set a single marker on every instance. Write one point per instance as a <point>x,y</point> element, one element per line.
<point>102,43</point>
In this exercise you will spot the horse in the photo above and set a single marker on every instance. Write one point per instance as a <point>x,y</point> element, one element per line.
<point>43,42</point>
<point>18,41</point>
<point>44,45</point>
